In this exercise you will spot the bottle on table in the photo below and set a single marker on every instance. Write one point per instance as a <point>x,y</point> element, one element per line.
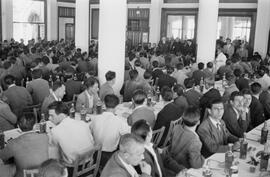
<point>50,81</point>
<point>72,111</point>
<point>2,140</point>
<point>149,98</point>
<point>206,170</point>
<point>83,113</point>
<point>264,133</point>
<point>42,124</point>
<point>234,170</point>
<point>224,80</point>
<point>201,85</point>
<point>157,94</point>
<point>243,147</point>
<point>99,107</point>
<point>27,81</point>
<point>228,159</point>
<point>265,157</point>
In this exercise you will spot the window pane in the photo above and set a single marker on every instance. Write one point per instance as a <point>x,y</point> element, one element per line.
<point>174,26</point>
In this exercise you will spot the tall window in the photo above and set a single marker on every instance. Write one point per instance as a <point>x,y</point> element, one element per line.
<point>28,20</point>
<point>181,26</point>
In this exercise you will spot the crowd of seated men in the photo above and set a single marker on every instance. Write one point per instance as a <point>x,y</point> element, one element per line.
<point>53,74</point>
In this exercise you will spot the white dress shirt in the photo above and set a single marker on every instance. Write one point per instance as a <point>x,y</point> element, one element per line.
<point>107,129</point>
<point>73,137</point>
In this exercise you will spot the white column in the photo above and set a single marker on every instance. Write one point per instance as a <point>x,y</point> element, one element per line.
<point>7,19</point>
<point>52,19</point>
<point>82,25</point>
<point>262,27</point>
<point>207,30</point>
<point>154,21</point>
<point>111,38</point>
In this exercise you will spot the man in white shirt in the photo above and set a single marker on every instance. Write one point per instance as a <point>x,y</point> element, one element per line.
<point>72,137</point>
<point>108,127</point>
<point>220,60</point>
<point>180,74</point>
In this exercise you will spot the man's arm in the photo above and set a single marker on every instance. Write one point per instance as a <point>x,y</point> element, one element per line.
<point>196,160</point>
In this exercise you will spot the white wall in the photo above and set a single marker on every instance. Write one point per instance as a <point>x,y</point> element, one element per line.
<point>7,16</point>
<point>62,23</point>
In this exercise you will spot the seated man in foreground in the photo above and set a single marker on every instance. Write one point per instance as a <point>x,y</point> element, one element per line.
<point>213,132</point>
<point>73,137</point>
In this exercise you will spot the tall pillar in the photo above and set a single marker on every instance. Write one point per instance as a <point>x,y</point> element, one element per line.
<point>52,20</point>
<point>7,19</point>
<point>82,25</point>
<point>111,40</point>
<point>155,21</point>
<point>262,27</point>
<point>207,30</point>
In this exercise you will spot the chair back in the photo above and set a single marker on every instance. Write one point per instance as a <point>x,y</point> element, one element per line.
<point>170,131</point>
<point>157,135</point>
<point>35,109</point>
<point>88,163</point>
<point>30,173</point>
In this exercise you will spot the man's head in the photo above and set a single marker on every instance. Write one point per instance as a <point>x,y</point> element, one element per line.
<point>37,73</point>
<point>138,97</point>
<point>92,85</point>
<point>256,88</point>
<point>155,64</point>
<point>52,168</point>
<point>147,75</point>
<point>179,66</point>
<point>137,63</point>
<point>131,149</point>
<point>237,100</point>
<point>110,76</point>
<point>189,82</point>
<point>57,112</point>
<point>59,89</point>
<point>191,116</point>
<point>247,97</point>
<point>228,40</point>
<point>178,89</point>
<point>142,129</point>
<point>216,109</point>
<point>111,101</point>
<point>133,74</point>
<point>237,72</point>
<point>200,66</point>
<point>166,93</point>
<point>209,65</point>
<point>9,80</point>
<point>26,122</point>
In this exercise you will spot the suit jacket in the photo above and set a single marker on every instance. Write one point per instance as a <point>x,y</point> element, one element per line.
<point>193,97</point>
<point>128,88</point>
<point>237,127</point>
<point>29,151</point>
<point>169,113</point>
<point>197,76</point>
<point>115,168</point>
<point>105,89</point>
<point>186,148</point>
<point>256,112</point>
<point>242,83</point>
<point>83,99</point>
<point>39,89</point>
<point>72,87</point>
<point>265,100</point>
<point>166,80</point>
<point>142,113</point>
<point>214,140</point>
<point>18,99</point>
<point>8,119</point>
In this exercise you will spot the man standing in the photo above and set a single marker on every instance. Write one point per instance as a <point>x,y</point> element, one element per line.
<point>228,48</point>
<point>106,88</point>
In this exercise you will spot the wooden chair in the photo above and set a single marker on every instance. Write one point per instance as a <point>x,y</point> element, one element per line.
<point>30,173</point>
<point>87,164</point>
<point>35,109</point>
<point>170,131</point>
<point>157,135</point>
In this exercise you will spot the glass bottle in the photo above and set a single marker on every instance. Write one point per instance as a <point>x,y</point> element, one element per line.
<point>149,98</point>
<point>42,124</point>
<point>83,113</point>
<point>228,159</point>
<point>50,81</point>
<point>206,171</point>
<point>265,157</point>
<point>201,85</point>
<point>264,133</point>
<point>157,94</point>
<point>99,107</point>
<point>27,81</point>
<point>243,147</point>
<point>72,111</point>
<point>224,80</point>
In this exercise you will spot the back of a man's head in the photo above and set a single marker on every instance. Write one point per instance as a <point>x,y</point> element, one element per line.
<point>9,79</point>
<point>133,74</point>
<point>26,122</point>
<point>52,168</point>
<point>255,88</point>
<point>110,75</point>
<point>59,107</point>
<point>141,128</point>
<point>179,66</point>
<point>37,73</point>
<point>127,142</point>
<point>166,93</point>
<point>139,97</point>
<point>209,65</point>
<point>200,66</point>
<point>191,116</point>
<point>111,101</point>
<point>189,82</point>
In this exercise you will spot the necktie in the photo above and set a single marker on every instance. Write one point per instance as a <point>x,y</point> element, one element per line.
<point>218,126</point>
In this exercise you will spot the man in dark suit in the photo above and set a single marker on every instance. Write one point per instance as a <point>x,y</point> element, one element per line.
<point>167,79</point>
<point>130,154</point>
<point>241,82</point>
<point>236,115</point>
<point>29,150</point>
<point>193,96</point>
<point>198,74</point>
<point>18,97</point>
<point>156,71</point>
<point>213,132</point>
<point>38,87</point>
<point>256,108</point>
<point>106,88</point>
<point>141,111</point>
<point>265,100</point>
<point>186,145</point>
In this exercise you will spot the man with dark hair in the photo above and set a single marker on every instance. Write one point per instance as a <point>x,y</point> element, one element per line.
<point>130,154</point>
<point>231,86</point>
<point>213,132</point>
<point>156,70</point>
<point>57,93</point>
<point>89,98</point>
<point>52,168</point>
<point>186,146</point>
<point>18,97</point>
<point>141,111</point>
<point>240,81</point>
<point>166,79</point>
<point>256,108</point>
<point>209,71</point>
<point>38,87</point>
<point>235,115</point>
<point>77,140</point>
<point>106,88</point>
<point>108,127</point>
<point>30,149</point>
<point>198,74</point>
<point>193,96</point>
<point>179,98</point>
<point>180,74</point>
